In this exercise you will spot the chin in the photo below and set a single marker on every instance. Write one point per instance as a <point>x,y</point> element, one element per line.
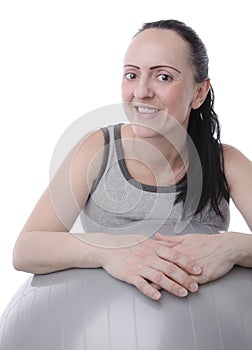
<point>144,131</point>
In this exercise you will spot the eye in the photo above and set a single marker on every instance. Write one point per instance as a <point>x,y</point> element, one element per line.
<point>164,77</point>
<point>130,76</point>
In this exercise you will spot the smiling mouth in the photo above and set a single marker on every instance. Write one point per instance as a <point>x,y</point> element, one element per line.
<point>146,110</point>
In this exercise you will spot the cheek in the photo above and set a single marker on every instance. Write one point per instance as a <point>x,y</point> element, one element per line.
<point>127,92</point>
<point>170,100</point>
<point>176,103</point>
<point>176,100</point>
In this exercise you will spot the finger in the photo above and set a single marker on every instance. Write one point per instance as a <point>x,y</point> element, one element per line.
<point>169,238</point>
<point>164,282</point>
<point>179,259</point>
<point>154,285</point>
<point>145,287</point>
<point>178,275</point>
<point>198,279</point>
<point>166,243</point>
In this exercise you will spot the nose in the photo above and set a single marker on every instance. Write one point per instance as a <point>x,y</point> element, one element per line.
<point>143,90</point>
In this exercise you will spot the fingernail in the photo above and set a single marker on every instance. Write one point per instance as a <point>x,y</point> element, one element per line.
<point>194,287</point>
<point>183,292</point>
<point>156,295</point>
<point>196,269</point>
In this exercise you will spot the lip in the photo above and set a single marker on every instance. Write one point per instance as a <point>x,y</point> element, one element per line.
<point>146,112</point>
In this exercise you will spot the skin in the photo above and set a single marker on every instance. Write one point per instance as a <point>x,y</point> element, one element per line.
<point>157,73</point>
<point>176,264</point>
<point>173,89</point>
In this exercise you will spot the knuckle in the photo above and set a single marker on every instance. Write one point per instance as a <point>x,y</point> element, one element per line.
<point>137,282</point>
<point>170,269</point>
<point>174,255</point>
<point>187,281</point>
<point>144,287</point>
<point>158,278</point>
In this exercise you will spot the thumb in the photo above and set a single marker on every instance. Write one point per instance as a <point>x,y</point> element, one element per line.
<point>167,238</point>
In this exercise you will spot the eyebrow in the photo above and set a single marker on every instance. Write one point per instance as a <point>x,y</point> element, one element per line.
<point>154,67</point>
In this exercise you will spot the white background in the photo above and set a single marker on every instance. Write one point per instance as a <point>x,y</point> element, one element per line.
<point>61,59</point>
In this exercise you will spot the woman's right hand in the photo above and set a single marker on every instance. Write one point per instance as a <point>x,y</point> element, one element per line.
<point>152,265</point>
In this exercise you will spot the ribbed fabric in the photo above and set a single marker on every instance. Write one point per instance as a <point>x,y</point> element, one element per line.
<point>119,203</point>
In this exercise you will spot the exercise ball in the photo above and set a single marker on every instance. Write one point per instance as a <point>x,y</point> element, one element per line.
<point>87,309</point>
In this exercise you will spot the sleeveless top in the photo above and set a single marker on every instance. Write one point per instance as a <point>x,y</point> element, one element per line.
<point>119,204</point>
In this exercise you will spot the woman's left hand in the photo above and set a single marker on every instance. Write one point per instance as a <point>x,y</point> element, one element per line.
<point>215,253</point>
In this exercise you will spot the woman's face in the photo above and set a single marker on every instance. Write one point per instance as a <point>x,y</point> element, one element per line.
<point>158,74</point>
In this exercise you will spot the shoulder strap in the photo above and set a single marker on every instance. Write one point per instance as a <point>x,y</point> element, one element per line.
<point>105,157</point>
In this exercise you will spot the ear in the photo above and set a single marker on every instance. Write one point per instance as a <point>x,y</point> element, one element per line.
<point>201,93</point>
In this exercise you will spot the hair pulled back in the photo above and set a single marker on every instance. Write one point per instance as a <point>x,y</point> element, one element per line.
<point>203,126</point>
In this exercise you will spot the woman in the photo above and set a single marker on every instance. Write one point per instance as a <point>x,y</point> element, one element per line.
<point>166,91</point>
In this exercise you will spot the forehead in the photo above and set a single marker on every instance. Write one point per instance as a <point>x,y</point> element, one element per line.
<point>157,46</point>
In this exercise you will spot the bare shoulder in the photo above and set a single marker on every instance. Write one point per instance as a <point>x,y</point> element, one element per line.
<point>233,156</point>
<point>237,166</point>
<point>86,157</point>
<point>88,152</point>
<point>238,171</point>
<point>65,196</point>
<point>91,142</point>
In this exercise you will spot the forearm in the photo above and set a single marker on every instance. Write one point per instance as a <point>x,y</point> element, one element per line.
<point>43,252</point>
<point>134,259</point>
<point>242,248</point>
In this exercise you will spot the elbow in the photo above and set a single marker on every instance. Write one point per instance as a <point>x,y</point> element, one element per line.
<point>18,266</point>
<point>28,256</point>
<point>22,257</point>
<point>18,259</point>
<point>23,263</point>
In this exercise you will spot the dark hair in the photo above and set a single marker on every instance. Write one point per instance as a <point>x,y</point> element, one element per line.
<point>203,126</point>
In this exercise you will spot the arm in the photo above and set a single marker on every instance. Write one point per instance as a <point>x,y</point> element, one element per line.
<point>46,245</point>
<point>217,254</point>
<point>238,170</point>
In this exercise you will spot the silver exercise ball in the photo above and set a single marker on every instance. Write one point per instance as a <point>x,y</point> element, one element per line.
<point>87,309</point>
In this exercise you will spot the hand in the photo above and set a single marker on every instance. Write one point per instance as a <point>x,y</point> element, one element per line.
<point>214,253</point>
<point>151,265</point>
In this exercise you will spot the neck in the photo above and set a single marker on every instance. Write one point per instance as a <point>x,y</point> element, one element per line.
<point>158,150</point>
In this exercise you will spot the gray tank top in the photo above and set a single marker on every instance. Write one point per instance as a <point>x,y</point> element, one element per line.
<point>120,204</point>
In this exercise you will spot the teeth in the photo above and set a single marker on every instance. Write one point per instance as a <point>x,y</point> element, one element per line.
<point>147,110</point>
